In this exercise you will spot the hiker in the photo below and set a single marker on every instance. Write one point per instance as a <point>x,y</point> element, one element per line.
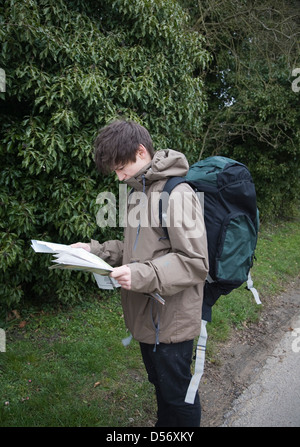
<point>147,264</point>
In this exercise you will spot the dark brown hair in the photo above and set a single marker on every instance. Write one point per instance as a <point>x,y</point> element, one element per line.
<point>118,142</point>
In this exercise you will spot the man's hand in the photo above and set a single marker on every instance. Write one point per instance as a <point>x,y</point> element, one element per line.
<point>123,276</point>
<point>82,245</point>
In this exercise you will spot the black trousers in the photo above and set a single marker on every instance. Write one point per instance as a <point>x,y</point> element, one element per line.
<point>169,369</point>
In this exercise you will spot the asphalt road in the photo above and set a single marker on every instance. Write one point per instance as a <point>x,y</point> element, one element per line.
<point>273,399</point>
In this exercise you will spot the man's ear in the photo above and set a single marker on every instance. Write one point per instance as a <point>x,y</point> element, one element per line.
<point>142,152</point>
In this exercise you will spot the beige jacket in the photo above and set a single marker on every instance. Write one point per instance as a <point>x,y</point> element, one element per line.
<point>176,268</point>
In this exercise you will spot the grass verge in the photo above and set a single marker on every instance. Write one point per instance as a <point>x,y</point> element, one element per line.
<point>68,368</point>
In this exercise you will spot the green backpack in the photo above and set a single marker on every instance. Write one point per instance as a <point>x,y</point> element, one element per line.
<point>232,223</point>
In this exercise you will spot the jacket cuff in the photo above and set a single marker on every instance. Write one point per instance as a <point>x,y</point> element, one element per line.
<point>95,247</point>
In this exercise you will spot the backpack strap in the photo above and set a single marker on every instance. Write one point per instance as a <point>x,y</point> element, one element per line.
<point>252,289</point>
<point>170,184</point>
<point>199,365</point>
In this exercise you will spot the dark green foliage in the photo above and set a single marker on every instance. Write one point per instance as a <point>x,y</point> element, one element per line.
<point>253,112</point>
<point>71,67</point>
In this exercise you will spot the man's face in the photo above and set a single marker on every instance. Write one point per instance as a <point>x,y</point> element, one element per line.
<point>129,169</point>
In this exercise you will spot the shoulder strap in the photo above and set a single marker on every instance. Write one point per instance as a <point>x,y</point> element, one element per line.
<point>164,199</point>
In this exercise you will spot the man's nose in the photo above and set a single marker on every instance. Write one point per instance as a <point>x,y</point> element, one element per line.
<point>121,176</point>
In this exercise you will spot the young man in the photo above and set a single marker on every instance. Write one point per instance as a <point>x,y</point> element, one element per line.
<point>147,262</point>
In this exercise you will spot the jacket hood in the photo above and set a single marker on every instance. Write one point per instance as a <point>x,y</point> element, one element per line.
<point>165,163</point>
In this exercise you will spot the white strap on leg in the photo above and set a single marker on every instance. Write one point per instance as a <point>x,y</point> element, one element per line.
<point>199,365</point>
<point>252,289</point>
<point>126,341</point>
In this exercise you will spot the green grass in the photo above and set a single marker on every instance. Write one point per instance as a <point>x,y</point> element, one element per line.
<point>51,366</point>
<point>49,372</point>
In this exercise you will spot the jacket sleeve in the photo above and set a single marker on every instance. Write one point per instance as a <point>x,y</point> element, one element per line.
<point>110,251</point>
<point>187,263</point>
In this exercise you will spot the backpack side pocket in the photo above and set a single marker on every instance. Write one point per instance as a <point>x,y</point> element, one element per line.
<point>236,246</point>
